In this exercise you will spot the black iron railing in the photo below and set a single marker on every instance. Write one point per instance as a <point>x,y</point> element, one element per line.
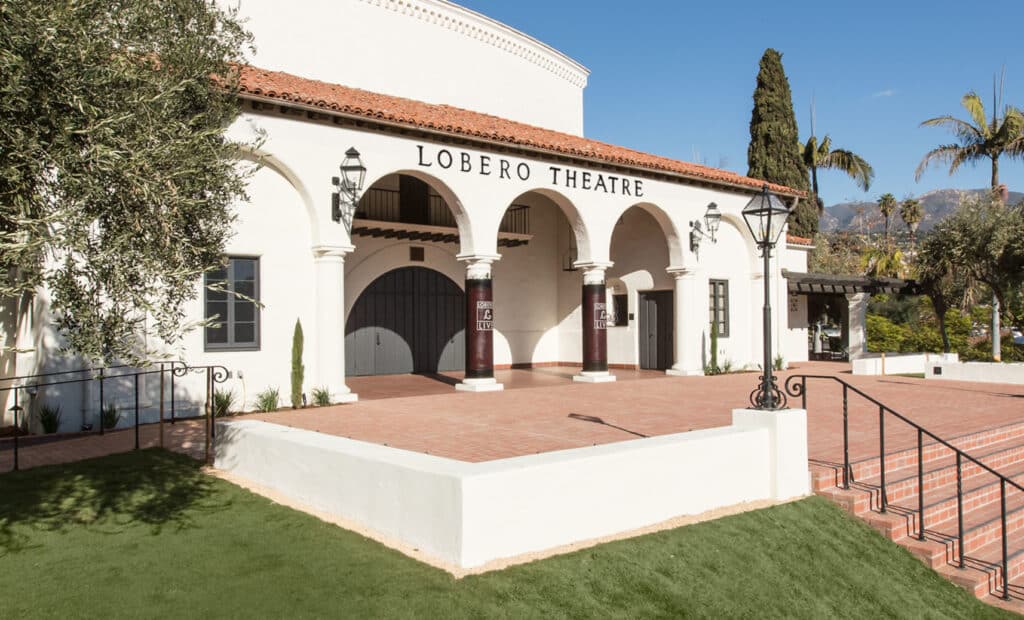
<point>796,386</point>
<point>385,205</point>
<point>167,371</point>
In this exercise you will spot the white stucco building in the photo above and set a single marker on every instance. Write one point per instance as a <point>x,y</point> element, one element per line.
<point>490,233</point>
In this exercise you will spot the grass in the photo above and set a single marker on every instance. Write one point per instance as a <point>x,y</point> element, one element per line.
<point>148,534</point>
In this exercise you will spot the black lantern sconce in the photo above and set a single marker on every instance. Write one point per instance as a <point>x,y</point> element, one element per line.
<point>347,188</point>
<point>712,218</point>
<point>766,216</point>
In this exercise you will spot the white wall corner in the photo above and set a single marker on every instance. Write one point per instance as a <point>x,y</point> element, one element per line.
<point>788,451</point>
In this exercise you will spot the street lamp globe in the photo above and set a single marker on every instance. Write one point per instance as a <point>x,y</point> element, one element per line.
<point>765,216</point>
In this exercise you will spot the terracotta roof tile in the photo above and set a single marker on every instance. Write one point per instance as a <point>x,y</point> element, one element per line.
<point>793,239</point>
<point>355,102</point>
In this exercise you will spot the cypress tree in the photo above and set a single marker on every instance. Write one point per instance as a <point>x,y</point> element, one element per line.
<point>774,151</point>
<point>298,370</point>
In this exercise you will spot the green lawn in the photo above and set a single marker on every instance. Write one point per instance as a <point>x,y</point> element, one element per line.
<point>147,534</point>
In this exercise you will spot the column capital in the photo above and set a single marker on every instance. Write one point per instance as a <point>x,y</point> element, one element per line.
<point>478,266</point>
<point>332,251</point>
<point>593,271</point>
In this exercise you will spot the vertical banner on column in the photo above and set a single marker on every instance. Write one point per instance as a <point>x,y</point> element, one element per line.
<point>595,323</point>
<point>479,329</point>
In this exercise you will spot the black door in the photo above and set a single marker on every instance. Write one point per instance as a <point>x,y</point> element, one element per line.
<point>655,330</point>
<point>408,320</point>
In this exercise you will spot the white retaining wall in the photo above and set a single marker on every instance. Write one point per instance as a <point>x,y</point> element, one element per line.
<point>899,363</point>
<point>985,372</point>
<point>468,514</point>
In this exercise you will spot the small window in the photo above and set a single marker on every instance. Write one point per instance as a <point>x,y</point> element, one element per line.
<point>620,307</point>
<point>718,306</point>
<point>234,308</point>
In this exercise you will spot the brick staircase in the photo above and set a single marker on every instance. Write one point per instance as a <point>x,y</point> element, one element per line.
<point>1001,449</point>
<point>970,510</point>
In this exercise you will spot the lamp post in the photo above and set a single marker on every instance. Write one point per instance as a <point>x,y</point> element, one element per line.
<point>766,216</point>
<point>712,218</point>
<point>347,188</point>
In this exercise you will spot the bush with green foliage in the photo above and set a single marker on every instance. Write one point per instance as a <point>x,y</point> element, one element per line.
<point>268,400</point>
<point>110,416</point>
<point>321,396</point>
<point>223,403</point>
<point>49,418</point>
<point>298,370</point>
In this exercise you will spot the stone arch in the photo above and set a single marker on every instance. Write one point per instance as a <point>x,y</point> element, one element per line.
<point>578,226</point>
<point>264,158</point>
<point>462,219</point>
<point>676,249</point>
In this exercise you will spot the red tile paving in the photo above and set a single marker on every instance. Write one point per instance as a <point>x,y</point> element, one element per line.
<point>533,414</point>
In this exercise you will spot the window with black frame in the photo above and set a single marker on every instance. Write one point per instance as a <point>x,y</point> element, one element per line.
<point>718,305</point>
<point>232,296</point>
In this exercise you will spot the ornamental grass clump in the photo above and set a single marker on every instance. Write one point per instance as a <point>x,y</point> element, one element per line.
<point>49,418</point>
<point>321,396</point>
<point>268,400</point>
<point>223,403</point>
<point>110,416</point>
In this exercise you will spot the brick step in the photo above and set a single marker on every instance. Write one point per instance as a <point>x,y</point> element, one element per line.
<point>901,484</point>
<point>829,474</point>
<point>982,572</point>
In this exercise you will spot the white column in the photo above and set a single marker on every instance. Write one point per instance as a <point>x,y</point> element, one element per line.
<point>330,320</point>
<point>858,320</point>
<point>691,317</point>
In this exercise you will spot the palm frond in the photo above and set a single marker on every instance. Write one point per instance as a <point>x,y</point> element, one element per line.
<point>852,164</point>
<point>963,130</point>
<point>947,153</point>
<point>976,108</point>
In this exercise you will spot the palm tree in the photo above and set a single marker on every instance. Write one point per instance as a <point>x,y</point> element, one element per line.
<point>825,157</point>
<point>887,205</point>
<point>911,212</point>
<point>978,138</point>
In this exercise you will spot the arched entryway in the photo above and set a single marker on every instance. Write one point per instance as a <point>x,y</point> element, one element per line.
<point>408,320</point>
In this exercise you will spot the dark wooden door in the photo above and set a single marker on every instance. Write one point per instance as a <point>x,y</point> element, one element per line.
<point>655,326</point>
<point>408,320</point>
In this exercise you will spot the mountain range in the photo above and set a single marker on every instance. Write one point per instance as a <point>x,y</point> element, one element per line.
<point>863,216</point>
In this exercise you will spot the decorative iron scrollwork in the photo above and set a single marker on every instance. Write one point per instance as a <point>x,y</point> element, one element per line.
<point>759,398</point>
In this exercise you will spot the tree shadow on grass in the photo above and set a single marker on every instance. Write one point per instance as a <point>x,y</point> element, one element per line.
<point>151,488</point>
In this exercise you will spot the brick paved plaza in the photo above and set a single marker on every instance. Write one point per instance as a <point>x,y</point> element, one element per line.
<point>535,414</point>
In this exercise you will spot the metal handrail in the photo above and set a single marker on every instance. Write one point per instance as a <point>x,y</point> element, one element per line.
<point>214,374</point>
<point>90,369</point>
<point>799,389</point>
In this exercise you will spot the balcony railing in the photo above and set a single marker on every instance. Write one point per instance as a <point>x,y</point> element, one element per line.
<point>384,205</point>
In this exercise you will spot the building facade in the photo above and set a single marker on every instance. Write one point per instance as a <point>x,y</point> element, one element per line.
<point>488,234</point>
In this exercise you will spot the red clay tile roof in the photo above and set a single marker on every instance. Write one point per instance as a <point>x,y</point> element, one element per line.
<point>285,87</point>
<point>793,239</point>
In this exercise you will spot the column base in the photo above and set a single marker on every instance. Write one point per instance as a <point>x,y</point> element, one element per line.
<point>600,376</point>
<point>347,397</point>
<point>488,384</point>
<point>678,372</point>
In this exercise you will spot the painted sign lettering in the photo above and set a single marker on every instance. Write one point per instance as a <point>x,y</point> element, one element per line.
<point>600,315</point>
<point>484,316</point>
<point>560,176</point>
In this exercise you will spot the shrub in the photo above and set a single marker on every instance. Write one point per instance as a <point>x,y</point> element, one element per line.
<point>49,418</point>
<point>779,362</point>
<point>884,335</point>
<point>298,370</point>
<point>109,417</point>
<point>321,396</point>
<point>223,402</point>
<point>267,400</point>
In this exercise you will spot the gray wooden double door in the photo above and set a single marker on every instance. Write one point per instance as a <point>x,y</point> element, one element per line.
<point>408,320</point>
<point>655,326</point>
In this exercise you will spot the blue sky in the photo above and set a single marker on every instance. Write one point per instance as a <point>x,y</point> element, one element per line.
<point>676,78</point>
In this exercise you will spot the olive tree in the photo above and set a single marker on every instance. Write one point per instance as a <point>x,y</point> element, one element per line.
<point>117,178</point>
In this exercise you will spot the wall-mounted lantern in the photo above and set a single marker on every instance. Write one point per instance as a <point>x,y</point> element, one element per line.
<point>347,188</point>
<point>712,218</point>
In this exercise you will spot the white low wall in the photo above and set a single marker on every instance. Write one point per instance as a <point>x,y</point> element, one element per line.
<point>468,514</point>
<point>898,363</point>
<point>985,372</point>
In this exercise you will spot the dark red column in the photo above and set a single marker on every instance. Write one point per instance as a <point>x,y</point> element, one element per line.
<point>479,329</point>
<point>595,323</point>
